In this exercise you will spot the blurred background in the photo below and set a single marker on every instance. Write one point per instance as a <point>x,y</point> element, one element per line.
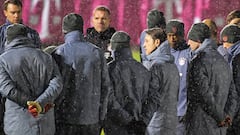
<point>128,15</point>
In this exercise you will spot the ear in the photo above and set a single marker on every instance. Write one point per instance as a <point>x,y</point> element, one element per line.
<point>157,42</point>
<point>5,12</point>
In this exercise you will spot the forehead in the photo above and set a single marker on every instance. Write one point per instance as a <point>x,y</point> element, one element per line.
<point>100,13</point>
<point>14,7</point>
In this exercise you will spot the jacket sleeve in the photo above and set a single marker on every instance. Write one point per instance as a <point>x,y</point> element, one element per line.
<point>9,90</point>
<point>105,87</point>
<point>116,112</point>
<point>207,98</point>
<point>231,105</point>
<point>54,87</point>
<point>152,102</point>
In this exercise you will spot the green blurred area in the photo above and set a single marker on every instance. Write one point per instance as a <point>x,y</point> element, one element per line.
<point>136,53</point>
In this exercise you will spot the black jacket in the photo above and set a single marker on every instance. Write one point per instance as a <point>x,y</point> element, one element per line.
<point>130,81</point>
<point>101,39</point>
<point>209,84</point>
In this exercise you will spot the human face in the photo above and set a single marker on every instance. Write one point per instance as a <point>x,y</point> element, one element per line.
<point>149,44</point>
<point>101,20</point>
<point>172,39</point>
<point>13,13</point>
<point>193,44</point>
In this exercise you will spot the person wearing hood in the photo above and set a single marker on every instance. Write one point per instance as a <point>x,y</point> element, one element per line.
<point>12,10</point>
<point>180,51</point>
<point>130,81</point>
<point>230,37</point>
<point>155,19</point>
<point>210,86</point>
<point>165,73</point>
<point>30,81</point>
<point>83,105</point>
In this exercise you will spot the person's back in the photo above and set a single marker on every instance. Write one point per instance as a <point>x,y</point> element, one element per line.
<point>130,81</point>
<point>86,95</point>
<point>207,90</point>
<point>27,74</point>
<point>230,36</point>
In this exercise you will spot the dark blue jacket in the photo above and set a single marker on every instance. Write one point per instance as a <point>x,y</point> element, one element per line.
<point>32,34</point>
<point>85,97</point>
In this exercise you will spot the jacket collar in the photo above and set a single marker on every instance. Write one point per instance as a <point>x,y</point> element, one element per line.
<point>73,36</point>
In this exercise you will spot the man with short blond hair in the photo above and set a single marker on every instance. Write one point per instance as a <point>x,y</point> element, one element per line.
<point>101,32</point>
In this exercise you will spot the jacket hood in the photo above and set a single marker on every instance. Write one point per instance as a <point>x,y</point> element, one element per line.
<point>207,43</point>
<point>19,42</point>
<point>73,36</point>
<point>161,55</point>
<point>235,49</point>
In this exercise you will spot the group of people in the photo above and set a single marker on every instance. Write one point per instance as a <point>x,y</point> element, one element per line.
<point>92,83</point>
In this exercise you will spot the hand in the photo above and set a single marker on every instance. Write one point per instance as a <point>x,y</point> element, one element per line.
<point>228,121</point>
<point>48,106</point>
<point>34,108</point>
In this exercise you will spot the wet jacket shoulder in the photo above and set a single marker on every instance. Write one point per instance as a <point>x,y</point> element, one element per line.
<point>130,80</point>
<point>101,39</point>
<point>28,74</point>
<point>207,89</point>
<point>89,80</point>
<point>32,34</point>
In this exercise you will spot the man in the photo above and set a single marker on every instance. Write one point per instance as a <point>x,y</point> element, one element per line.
<point>209,85</point>
<point>162,67</point>
<point>101,32</point>
<point>155,18</point>
<point>130,81</point>
<point>13,11</point>
<point>230,36</point>
<point>83,105</point>
<point>30,81</point>
<point>180,51</point>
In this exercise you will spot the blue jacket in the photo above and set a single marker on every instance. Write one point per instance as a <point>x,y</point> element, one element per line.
<point>165,74</point>
<point>85,97</point>
<point>181,60</point>
<point>32,34</point>
<point>28,74</point>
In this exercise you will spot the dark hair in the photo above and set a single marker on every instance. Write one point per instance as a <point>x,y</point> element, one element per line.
<point>14,2</point>
<point>233,14</point>
<point>102,8</point>
<point>157,33</point>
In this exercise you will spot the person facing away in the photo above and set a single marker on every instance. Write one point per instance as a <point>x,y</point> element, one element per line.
<point>209,84</point>
<point>230,37</point>
<point>180,51</point>
<point>155,18</point>
<point>165,73</point>
<point>83,105</point>
<point>101,32</point>
<point>213,29</point>
<point>30,81</point>
<point>12,9</point>
<point>130,80</point>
